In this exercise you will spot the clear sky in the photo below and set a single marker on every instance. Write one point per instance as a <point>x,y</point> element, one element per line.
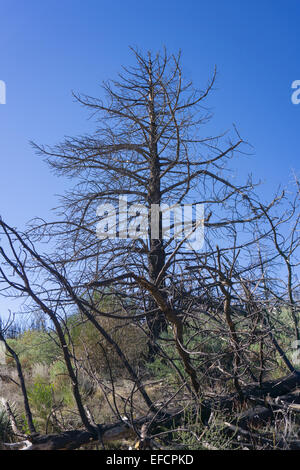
<point>51,47</point>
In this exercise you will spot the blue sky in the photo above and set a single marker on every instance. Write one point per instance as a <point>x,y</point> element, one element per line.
<point>51,47</point>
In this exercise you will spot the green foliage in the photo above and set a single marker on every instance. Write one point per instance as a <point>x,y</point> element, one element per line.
<point>194,435</point>
<point>24,425</point>
<point>59,375</point>
<point>61,383</point>
<point>5,427</point>
<point>88,341</point>
<point>34,347</point>
<point>41,397</point>
<point>160,367</point>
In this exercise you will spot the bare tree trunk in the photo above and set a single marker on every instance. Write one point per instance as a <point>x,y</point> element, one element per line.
<point>156,258</point>
<point>22,383</point>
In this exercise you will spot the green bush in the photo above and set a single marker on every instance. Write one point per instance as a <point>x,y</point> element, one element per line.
<point>41,398</point>
<point>34,347</point>
<point>5,427</point>
<point>102,356</point>
<point>61,383</point>
<point>194,435</point>
<point>59,375</point>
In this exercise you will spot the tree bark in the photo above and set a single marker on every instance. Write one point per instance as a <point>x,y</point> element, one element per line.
<point>156,258</point>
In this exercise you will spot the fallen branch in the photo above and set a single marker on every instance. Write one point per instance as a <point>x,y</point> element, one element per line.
<point>270,443</point>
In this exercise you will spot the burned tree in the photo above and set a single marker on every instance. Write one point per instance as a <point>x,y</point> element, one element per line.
<point>208,314</point>
<point>149,147</point>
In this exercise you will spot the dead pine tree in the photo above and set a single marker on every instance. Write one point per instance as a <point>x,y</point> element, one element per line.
<point>150,149</point>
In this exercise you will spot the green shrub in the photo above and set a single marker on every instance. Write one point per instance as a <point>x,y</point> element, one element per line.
<point>41,397</point>
<point>59,375</point>
<point>34,347</point>
<point>61,383</point>
<point>194,435</point>
<point>5,427</point>
<point>102,356</point>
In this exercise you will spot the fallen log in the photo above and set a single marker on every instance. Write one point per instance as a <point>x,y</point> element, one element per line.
<point>275,388</point>
<point>254,392</point>
<point>270,443</point>
<point>255,416</point>
<point>262,413</point>
<point>74,439</point>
